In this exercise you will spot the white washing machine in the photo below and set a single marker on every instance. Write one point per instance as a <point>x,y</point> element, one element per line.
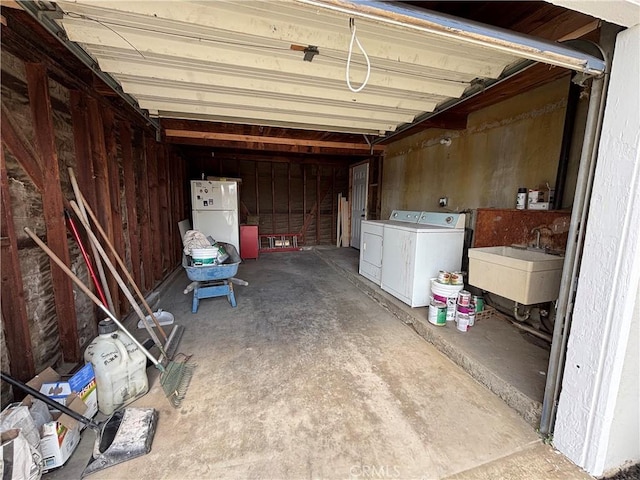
<point>415,246</point>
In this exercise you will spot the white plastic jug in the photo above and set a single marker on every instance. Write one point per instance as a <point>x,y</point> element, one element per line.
<point>119,366</point>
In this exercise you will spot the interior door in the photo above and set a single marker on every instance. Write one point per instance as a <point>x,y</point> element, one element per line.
<point>358,201</point>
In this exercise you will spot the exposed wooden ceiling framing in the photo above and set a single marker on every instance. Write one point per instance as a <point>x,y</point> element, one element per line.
<point>184,91</point>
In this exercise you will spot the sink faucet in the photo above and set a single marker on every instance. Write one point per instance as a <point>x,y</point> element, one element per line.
<point>537,231</point>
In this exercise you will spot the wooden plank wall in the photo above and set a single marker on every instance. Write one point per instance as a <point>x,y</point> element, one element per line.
<point>283,196</point>
<point>134,184</point>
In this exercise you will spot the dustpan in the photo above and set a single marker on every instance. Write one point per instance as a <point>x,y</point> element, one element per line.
<point>125,435</point>
<point>163,317</point>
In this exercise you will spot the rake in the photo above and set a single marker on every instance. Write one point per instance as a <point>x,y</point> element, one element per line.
<point>175,376</point>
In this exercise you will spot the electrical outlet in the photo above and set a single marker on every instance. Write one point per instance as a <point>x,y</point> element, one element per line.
<point>443,201</point>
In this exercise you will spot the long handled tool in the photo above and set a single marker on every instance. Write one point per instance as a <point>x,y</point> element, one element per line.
<point>171,343</point>
<point>175,376</point>
<point>96,258</point>
<point>118,278</point>
<point>85,209</point>
<point>85,255</point>
<point>124,435</point>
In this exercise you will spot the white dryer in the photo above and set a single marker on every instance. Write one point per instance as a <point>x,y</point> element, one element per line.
<point>371,250</point>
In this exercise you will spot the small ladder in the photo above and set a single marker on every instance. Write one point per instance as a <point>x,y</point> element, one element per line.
<point>279,242</point>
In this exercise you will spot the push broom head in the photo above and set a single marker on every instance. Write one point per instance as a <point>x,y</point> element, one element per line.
<point>176,378</point>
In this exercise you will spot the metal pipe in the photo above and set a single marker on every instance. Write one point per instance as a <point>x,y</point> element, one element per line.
<point>571,266</point>
<point>565,149</point>
<point>517,316</point>
<point>532,331</point>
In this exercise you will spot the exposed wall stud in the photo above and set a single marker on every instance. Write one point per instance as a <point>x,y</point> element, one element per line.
<point>40,103</point>
<point>14,311</point>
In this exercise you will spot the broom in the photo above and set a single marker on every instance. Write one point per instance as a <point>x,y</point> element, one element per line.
<point>175,376</point>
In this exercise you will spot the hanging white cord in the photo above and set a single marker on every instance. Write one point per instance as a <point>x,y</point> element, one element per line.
<point>352,26</point>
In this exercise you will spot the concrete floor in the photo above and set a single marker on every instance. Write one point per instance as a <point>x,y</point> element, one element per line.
<point>512,364</point>
<point>310,378</point>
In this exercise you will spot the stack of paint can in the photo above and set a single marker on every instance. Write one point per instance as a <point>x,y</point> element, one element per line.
<point>467,306</point>
<point>444,293</point>
<point>465,311</point>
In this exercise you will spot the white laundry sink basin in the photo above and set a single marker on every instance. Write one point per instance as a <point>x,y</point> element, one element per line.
<point>523,276</point>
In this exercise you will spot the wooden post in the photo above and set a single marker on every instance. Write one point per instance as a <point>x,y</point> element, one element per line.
<point>318,201</point>
<point>176,187</point>
<point>304,203</point>
<point>288,197</point>
<point>82,144</point>
<point>333,205</point>
<point>130,197</point>
<point>14,311</point>
<point>143,204</point>
<point>154,209</point>
<point>274,228</point>
<point>113,169</point>
<point>257,194</point>
<point>53,208</point>
<point>100,181</point>
<point>165,228</point>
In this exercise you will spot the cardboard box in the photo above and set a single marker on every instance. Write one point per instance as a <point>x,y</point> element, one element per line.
<point>535,196</point>
<point>57,391</point>
<point>60,437</point>
<point>539,206</point>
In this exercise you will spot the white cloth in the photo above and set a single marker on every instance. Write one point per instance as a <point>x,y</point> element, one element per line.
<point>194,239</point>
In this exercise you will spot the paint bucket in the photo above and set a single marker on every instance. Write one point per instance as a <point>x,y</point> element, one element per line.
<point>464,298</point>
<point>204,256</point>
<point>469,311</point>
<point>444,277</point>
<point>478,301</point>
<point>456,278</point>
<point>462,322</point>
<point>437,313</point>
<point>446,294</point>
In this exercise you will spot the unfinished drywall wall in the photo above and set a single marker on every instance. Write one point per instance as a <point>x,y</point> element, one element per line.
<point>508,145</point>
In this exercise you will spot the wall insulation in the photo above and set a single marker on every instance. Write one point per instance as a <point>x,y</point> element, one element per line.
<point>134,184</point>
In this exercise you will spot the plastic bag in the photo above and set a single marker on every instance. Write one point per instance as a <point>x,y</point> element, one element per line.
<point>221,253</point>
<point>20,460</point>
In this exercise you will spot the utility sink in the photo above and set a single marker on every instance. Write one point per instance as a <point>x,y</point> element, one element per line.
<point>521,275</point>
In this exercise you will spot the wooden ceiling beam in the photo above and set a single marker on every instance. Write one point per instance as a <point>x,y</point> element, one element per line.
<point>258,130</point>
<point>272,148</point>
<point>267,140</point>
<point>255,156</point>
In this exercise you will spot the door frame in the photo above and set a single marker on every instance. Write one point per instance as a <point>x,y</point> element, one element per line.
<point>366,162</point>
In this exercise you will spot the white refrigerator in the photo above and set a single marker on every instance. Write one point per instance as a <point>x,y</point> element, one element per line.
<point>214,207</point>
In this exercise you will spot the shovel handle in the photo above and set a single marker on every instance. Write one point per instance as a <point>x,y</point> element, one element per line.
<point>90,294</point>
<point>117,277</point>
<point>84,207</point>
